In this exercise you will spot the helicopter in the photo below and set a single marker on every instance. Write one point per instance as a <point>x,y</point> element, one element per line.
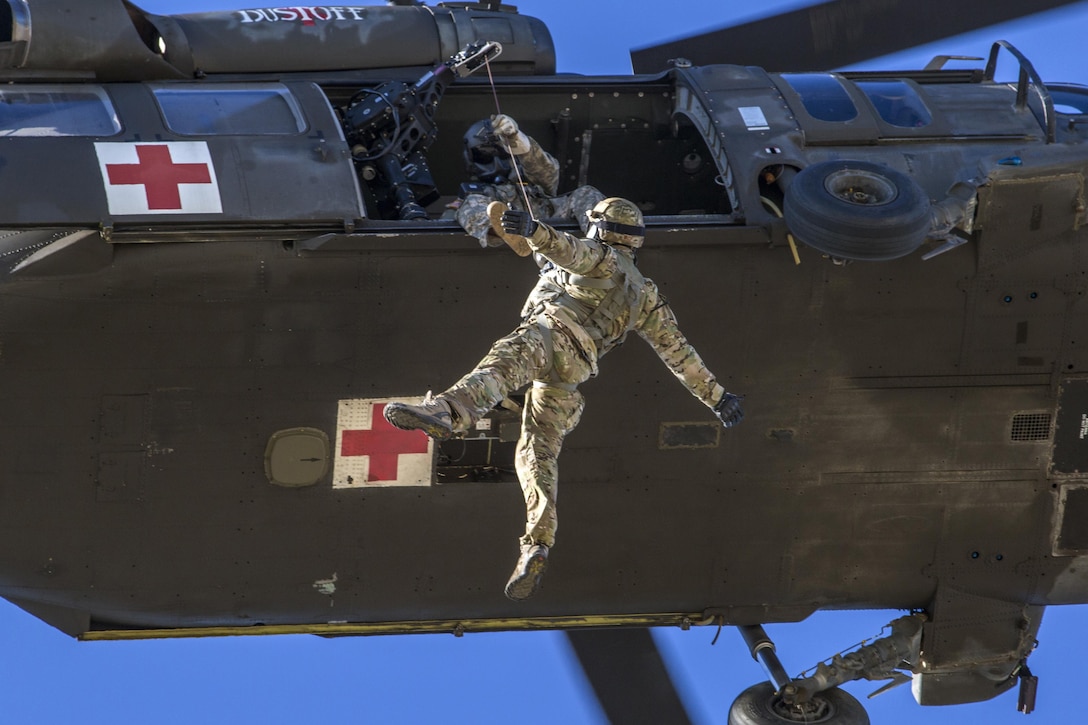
<point>55,260</point>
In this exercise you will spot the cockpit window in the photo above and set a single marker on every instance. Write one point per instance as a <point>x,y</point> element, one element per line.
<point>897,103</point>
<point>230,110</point>
<point>1070,100</point>
<point>56,110</point>
<point>823,96</point>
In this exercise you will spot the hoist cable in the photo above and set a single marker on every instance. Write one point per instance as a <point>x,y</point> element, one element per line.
<point>513,161</point>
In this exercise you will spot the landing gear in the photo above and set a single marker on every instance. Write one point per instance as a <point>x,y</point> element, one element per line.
<point>857,210</point>
<point>761,705</point>
<point>817,698</point>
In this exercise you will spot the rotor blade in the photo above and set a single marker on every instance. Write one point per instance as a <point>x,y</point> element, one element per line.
<point>628,675</point>
<point>837,33</point>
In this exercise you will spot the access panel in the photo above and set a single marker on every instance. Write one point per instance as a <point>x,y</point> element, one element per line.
<point>1070,454</point>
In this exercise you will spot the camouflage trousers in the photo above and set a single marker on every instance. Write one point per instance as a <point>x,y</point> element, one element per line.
<point>472,213</point>
<point>542,352</point>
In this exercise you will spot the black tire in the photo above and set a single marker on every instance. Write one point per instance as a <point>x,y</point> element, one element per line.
<point>758,705</point>
<point>857,210</point>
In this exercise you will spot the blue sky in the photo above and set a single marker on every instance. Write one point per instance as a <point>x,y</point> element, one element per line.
<point>46,678</point>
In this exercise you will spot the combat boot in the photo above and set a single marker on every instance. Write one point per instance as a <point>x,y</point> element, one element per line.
<point>527,573</point>
<point>434,416</point>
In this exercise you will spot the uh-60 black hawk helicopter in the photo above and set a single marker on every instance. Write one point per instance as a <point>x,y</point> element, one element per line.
<point>227,246</point>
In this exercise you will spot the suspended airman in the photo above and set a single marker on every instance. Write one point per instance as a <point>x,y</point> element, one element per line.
<point>508,165</point>
<point>589,296</point>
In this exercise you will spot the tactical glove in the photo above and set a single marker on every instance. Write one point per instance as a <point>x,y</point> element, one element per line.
<point>507,129</point>
<point>518,222</point>
<point>729,410</point>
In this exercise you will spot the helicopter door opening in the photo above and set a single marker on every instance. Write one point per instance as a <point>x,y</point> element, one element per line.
<point>618,136</point>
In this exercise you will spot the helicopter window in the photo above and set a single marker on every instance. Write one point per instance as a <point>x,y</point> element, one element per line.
<point>897,103</point>
<point>1070,100</point>
<point>57,111</point>
<point>250,109</point>
<point>823,96</point>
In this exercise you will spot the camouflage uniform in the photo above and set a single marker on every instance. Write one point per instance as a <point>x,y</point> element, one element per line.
<point>589,296</point>
<point>540,177</point>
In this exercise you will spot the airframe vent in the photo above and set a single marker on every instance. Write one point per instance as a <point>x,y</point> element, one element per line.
<point>1030,427</point>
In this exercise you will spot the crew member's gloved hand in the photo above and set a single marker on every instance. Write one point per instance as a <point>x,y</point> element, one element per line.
<point>506,128</point>
<point>518,222</point>
<point>729,410</point>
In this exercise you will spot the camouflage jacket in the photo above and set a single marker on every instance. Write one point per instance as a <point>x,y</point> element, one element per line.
<point>539,167</point>
<point>595,292</point>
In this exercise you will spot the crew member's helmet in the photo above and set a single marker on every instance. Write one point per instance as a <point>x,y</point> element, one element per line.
<point>485,158</point>
<point>617,221</point>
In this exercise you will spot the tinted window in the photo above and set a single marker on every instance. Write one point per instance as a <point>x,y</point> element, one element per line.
<point>897,103</point>
<point>1070,100</point>
<point>56,111</point>
<point>230,110</point>
<point>822,95</point>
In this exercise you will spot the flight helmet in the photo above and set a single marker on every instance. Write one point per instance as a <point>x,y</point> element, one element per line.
<point>485,158</point>
<point>617,221</point>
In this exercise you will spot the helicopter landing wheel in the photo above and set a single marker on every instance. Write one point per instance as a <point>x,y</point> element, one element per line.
<point>857,210</point>
<point>760,705</point>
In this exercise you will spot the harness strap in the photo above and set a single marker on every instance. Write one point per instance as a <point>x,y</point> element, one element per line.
<point>545,384</point>
<point>549,351</point>
<point>627,293</point>
<point>563,277</point>
<point>549,344</point>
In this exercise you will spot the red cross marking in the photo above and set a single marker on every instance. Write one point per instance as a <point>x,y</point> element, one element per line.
<point>159,175</point>
<point>384,444</point>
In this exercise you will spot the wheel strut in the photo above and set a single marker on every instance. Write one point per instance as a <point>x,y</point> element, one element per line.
<point>877,660</point>
<point>763,652</point>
